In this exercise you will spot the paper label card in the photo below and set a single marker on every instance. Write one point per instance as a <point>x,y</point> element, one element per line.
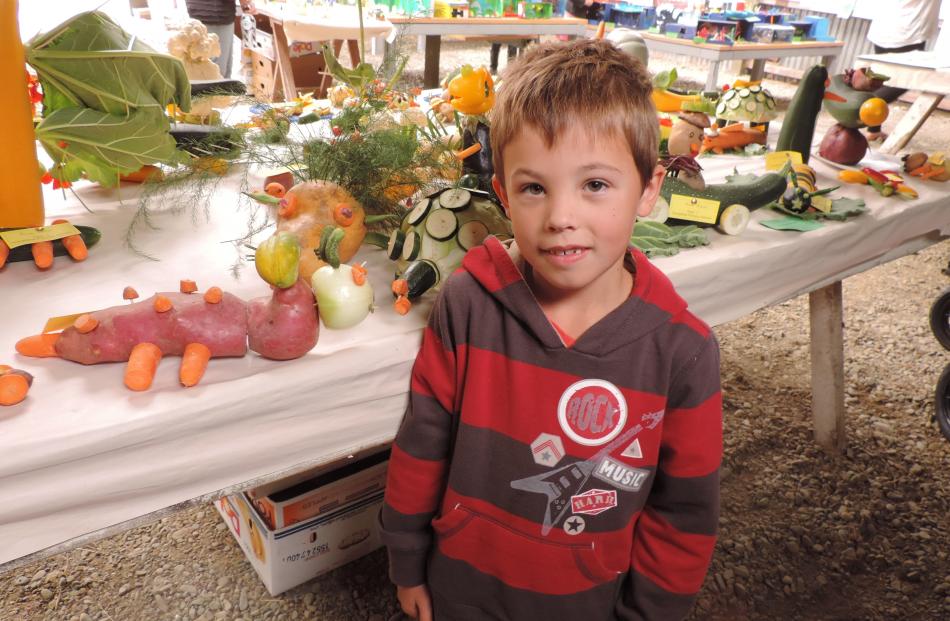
<point>694,209</point>
<point>776,160</point>
<point>55,324</point>
<point>22,237</point>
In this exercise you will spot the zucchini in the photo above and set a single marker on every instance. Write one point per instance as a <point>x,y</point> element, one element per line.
<point>733,219</point>
<point>394,248</point>
<point>441,224</point>
<point>419,211</point>
<point>471,234</point>
<point>89,235</point>
<point>798,128</point>
<point>753,194</point>
<point>455,198</point>
<point>411,246</point>
<point>420,276</point>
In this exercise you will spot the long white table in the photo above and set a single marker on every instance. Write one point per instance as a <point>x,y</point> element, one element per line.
<point>83,456</point>
<point>756,52</point>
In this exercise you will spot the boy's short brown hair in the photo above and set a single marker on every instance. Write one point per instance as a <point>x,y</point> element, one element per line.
<point>585,82</point>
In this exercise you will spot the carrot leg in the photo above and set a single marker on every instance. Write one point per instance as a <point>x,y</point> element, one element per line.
<point>74,244</point>
<point>38,346</point>
<point>193,364</point>
<point>43,254</point>
<point>13,388</point>
<point>143,362</point>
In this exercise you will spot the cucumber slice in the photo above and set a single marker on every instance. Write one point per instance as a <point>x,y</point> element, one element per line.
<point>734,219</point>
<point>455,199</point>
<point>396,241</point>
<point>743,92</point>
<point>420,276</point>
<point>734,103</point>
<point>441,224</point>
<point>419,211</point>
<point>410,246</point>
<point>755,89</point>
<point>471,234</point>
<point>660,212</point>
<point>750,106</point>
<point>721,109</point>
<point>729,94</point>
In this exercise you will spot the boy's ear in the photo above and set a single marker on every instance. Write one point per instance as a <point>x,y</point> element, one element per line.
<point>651,191</point>
<point>502,195</point>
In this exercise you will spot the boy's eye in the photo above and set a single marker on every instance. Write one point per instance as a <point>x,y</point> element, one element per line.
<point>533,188</point>
<point>596,185</point>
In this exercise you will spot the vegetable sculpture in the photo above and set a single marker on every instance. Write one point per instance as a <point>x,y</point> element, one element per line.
<point>435,235</point>
<point>104,99</point>
<point>195,326</point>
<point>798,127</point>
<point>934,167</point>
<point>850,100</point>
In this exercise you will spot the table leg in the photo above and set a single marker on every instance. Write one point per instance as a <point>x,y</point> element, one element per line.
<point>354,47</point>
<point>288,85</point>
<point>430,78</point>
<point>911,122</point>
<point>758,70</point>
<point>827,367</point>
<point>712,78</point>
<point>829,63</point>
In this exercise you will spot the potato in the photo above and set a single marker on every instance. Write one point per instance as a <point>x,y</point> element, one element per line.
<point>283,326</point>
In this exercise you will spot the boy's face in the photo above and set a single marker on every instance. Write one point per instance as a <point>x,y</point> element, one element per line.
<point>573,206</point>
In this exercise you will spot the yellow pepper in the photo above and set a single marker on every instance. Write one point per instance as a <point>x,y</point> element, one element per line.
<point>278,258</point>
<point>472,91</point>
<point>853,175</point>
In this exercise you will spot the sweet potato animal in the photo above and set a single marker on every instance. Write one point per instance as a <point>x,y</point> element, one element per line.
<point>733,136</point>
<point>192,325</point>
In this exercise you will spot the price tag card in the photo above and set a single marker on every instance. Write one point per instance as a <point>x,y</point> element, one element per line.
<point>694,209</point>
<point>22,237</point>
<point>776,160</point>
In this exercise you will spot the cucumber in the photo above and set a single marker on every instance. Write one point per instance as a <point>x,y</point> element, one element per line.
<point>419,211</point>
<point>455,199</point>
<point>798,128</point>
<point>441,224</point>
<point>89,235</point>
<point>471,234</point>
<point>753,194</point>
<point>420,276</point>
<point>396,241</point>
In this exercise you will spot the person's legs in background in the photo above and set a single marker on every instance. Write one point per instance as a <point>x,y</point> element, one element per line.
<point>890,93</point>
<point>495,51</point>
<point>225,34</point>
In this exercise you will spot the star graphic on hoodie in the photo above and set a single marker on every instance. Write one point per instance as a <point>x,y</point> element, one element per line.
<point>574,525</point>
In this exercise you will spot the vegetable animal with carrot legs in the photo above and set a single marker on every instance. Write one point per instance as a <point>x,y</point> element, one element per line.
<point>14,384</point>
<point>195,326</point>
<point>42,253</point>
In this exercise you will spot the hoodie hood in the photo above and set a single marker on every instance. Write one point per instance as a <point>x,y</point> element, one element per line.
<point>652,303</point>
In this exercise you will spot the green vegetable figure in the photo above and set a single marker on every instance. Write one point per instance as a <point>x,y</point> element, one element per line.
<point>850,100</point>
<point>435,235</point>
<point>104,99</point>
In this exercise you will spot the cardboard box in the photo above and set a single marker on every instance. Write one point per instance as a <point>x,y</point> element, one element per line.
<point>771,33</point>
<point>323,491</point>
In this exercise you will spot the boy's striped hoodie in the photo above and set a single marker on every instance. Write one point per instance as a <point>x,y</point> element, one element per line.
<point>530,480</point>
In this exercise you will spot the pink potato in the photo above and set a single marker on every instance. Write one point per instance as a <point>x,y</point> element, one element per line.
<point>283,326</point>
<point>222,327</point>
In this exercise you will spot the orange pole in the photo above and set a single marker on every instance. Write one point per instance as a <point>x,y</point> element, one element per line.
<point>21,196</point>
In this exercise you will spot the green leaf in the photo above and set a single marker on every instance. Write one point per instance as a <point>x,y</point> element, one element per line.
<point>656,239</point>
<point>90,61</point>
<point>792,223</point>
<point>843,208</point>
<point>107,144</point>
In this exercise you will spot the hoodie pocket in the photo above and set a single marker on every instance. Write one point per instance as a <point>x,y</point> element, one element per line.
<point>517,559</point>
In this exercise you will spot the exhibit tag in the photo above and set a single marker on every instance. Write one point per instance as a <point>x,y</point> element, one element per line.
<point>776,160</point>
<point>55,324</point>
<point>22,237</point>
<point>694,209</point>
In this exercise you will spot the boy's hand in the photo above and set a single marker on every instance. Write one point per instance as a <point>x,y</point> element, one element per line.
<point>415,602</point>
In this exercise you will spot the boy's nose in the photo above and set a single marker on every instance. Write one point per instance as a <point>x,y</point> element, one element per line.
<point>562,213</point>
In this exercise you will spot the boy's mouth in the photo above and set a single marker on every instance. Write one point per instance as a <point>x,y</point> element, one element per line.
<point>565,253</point>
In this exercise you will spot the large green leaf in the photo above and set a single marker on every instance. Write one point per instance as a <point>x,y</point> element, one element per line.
<point>90,61</point>
<point>106,145</point>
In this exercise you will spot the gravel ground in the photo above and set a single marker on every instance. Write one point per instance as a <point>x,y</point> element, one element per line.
<point>803,535</point>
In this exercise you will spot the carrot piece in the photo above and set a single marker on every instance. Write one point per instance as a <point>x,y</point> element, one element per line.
<point>601,30</point>
<point>4,252</point>
<point>143,362</point>
<point>358,272</point>
<point>147,172</point>
<point>74,244</point>
<point>187,286</point>
<point>400,286</point>
<point>275,189</point>
<point>38,346</point>
<point>472,150</point>
<point>343,214</point>
<point>287,206</point>
<point>13,388</point>
<point>129,293</point>
<point>213,295</point>
<point>5,368</point>
<point>162,304</point>
<point>43,254</point>
<point>85,323</point>
<point>193,363</point>
<point>402,305</point>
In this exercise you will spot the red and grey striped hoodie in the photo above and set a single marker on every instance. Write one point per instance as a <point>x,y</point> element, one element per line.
<point>531,480</point>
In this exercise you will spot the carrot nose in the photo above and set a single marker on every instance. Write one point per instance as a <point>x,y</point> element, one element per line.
<point>38,346</point>
<point>832,97</point>
<point>694,149</point>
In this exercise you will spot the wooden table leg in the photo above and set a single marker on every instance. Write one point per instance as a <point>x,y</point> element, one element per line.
<point>288,85</point>
<point>827,367</point>
<point>354,47</point>
<point>758,70</point>
<point>911,122</point>
<point>829,63</point>
<point>430,78</point>
<point>712,78</point>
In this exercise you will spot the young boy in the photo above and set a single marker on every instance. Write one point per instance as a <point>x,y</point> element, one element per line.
<point>560,455</point>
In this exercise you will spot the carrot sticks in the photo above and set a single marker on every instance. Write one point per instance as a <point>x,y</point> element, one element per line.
<point>143,362</point>
<point>193,364</point>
